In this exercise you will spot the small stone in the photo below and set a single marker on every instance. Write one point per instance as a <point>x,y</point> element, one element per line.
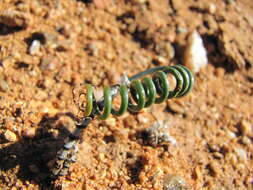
<point>34,169</point>
<point>29,133</point>
<point>10,136</point>
<point>197,173</point>
<point>214,168</point>
<point>175,107</point>
<point>14,18</point>
<point>245,127</point>
<point>4,87</point>
<point>231,158</point>
<point>142,118</point>
<point>93,49</point>
<point>8,61</point>
<point>173,182</point>
<point>241,154</point>
<point>170,50</point>
<point>181,30</point>
<point>34,49</point>
<point>230,134</point>
<point>195,56</point>
<point>211,8</point>
<point>218,155</point>
<point>110,122</point>
<point>245,140</point>
<point>161,60</point>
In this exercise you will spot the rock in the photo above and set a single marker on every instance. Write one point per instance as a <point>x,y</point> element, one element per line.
<point>195,56</point>
<point>230,134</point>
<point>218,155</point>
<point>245,127</point>
<point>4,85</point>
<point>174,107</point>
<point>181,30</point>
<point>35,47</point>
<point>211,8</point>
<point>10,136</point>
<point>245,140</point>
<point>93,49</point>
<point>142,118</point>
<point>170,50</point>
<point>14,18</point>
<point>241,154</point>
<point>173,182</point>
<point>110,122</point>
<point>214,168</point>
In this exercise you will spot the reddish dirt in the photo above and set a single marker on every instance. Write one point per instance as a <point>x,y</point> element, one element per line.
<point>96,42</point>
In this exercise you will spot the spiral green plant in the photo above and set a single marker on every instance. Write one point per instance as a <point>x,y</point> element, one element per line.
<point>141,92</point>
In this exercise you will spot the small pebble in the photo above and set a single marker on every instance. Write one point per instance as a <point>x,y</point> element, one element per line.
<point>245,140</point>
<point>142,118</point>
<point>170,50</point>
<point>230,134</point>
<point>173,182</point>
<point>175,107</point>
<point>181,29</point>
<point>4,87</point>
<point>197,173</point>
<point>110,122</point>
<point>35,47</point>
<point>195,56</point>
<point>93,49</point>
<point>241,154</point>
<point>245,127</point>
<point>218,155</point>
<point>214,168</point>
<point>10,136</point>
<point>211,8</point>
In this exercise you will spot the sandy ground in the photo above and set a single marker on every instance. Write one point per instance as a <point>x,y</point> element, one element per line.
<point>96,42</point>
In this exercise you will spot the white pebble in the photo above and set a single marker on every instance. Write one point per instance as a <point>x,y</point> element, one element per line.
<point>195,56</point>
<point>241,154</point>
<point>35,47</point>
<point>10,136</point>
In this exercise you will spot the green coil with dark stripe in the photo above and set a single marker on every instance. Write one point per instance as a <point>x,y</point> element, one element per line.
<point>142,91</point>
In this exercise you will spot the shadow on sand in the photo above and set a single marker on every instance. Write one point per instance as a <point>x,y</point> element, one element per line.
<point>31,156</point>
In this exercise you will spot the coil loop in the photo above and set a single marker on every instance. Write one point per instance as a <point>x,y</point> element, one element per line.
<point>141,92</point>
